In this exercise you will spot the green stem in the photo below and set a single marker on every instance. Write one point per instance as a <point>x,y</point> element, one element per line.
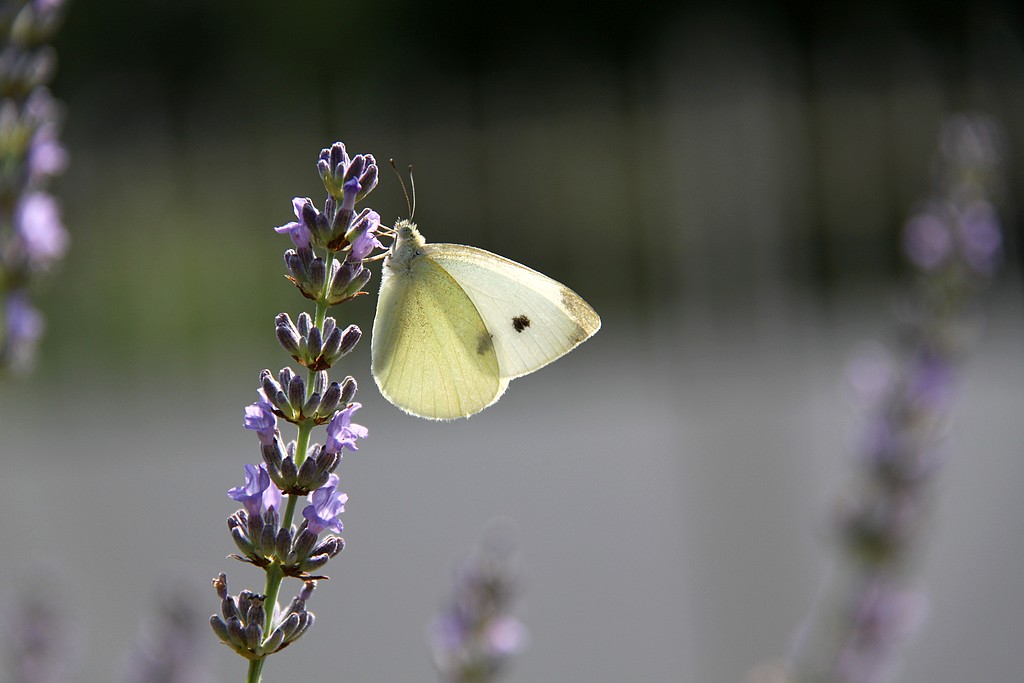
<point>255,671</point>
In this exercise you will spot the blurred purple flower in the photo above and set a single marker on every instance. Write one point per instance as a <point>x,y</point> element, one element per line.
<point>326,503</point>
<point>927,240</point>
<point>46,156</point>
<point>38,224</point>
<point>982,239</point>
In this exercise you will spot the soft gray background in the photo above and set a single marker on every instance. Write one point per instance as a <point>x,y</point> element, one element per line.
<point>671,493</point>
<point>726,185</point>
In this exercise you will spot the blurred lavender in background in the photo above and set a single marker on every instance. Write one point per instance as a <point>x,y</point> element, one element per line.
<point>171,643</point>
<point>954,241</point>
<point>32,237</point>
<point>36,638</point>
<point>476,635</point>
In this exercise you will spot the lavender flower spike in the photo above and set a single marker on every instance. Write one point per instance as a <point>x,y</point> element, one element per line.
<point>872,607</point>
<point>476,635</point>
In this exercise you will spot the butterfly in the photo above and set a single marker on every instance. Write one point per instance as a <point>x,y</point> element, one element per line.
<point>455,324</point>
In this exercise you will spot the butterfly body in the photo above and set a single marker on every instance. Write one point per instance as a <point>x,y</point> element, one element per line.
<point>455,324</point>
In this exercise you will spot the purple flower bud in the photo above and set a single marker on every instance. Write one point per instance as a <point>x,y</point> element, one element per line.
<point>341,433</point>
<point>258,492</point>
<point>326,503</point>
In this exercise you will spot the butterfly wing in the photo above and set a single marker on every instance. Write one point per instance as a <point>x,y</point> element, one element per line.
<point>432,355</point>
<point>531,318</point>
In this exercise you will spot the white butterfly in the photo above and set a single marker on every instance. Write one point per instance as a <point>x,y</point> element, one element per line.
<point>455,324</point>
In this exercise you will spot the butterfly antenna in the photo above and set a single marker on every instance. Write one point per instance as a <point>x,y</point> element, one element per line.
<point>410,204</point>
<point>412,185</point>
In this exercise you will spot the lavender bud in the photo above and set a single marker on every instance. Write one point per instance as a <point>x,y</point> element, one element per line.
<point>272,455</point>
<point>314,343</point>
<point>296,394</point>
<point>267,540</point>
<point>349,339</point>
<point>270,387</point>
<point>254,527</point>
<point>287,335</point>
<point>313,563</point>
<point>220,628</point>
<point>253,635</point>
<point>283,543</point>
<point>331,345</point>
<point>274,641</point>
<point>352,277</point>
<point>329,403</point>
<point>307,471</point>
<point>310,406</point>
<point>236,632</point>
<point>368,180</point>
<point>304,324</point>
<point>220,585</point>
<point>330,546</point>
<point>302,547</point>
<point>330,324</point>
<point>240,539</point>
<point>290,625</point>
<point>348,390</point>
<point>288,472</point>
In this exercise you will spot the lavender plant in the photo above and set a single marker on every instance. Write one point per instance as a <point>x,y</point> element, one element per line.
<point>32,237</point>
<point>169,647</point>
<point>327,266</point>
<point>476,635</point>
<point>953,243</point>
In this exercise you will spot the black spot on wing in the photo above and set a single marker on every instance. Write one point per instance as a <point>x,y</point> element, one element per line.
<point>520,323</point>
<point>484,344</point>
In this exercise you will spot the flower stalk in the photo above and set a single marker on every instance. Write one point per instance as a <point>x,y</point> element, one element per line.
<point>326,265</point>
<point>33,239</point>
<point>953,243</point>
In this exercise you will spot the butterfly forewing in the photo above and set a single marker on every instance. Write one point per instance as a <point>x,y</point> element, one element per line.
<point>432,354</point>
<point>532,319</point>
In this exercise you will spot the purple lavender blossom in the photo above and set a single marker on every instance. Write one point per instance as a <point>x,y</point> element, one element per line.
<point>326,504</point>
<point>342,433</point>
<point>297,230</point>
<point>258,493</point>
<point>260,418</point>
<point>363,236</point>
